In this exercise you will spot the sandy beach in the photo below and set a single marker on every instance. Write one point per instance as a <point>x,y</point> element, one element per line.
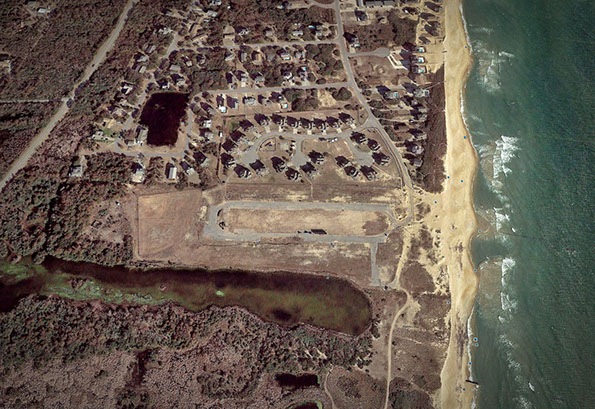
<point>457,213</point>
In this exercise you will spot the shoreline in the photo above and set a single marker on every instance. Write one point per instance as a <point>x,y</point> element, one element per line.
<point>458,211</point>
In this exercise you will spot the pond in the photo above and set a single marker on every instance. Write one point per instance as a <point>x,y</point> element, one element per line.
<point>280,297</point>
<point>293,382</point>
<point>162,114</point>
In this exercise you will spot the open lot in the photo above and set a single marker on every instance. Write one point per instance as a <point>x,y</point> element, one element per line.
<point>165,219</point>
<point>336,222</point>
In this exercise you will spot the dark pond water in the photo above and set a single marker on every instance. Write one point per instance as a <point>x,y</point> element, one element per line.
<point>306,405</point>
<point>11,293</point>
<point>293,382</point>
<point>281,297</point>
<point>162,114</point>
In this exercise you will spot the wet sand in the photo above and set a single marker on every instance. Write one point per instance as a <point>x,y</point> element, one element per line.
<point>457,213</point>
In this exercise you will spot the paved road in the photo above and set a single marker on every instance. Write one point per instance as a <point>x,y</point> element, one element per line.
<point>63,110</point>
<point>351,80</point>
<point>31,101</point>
<point>379,52</point>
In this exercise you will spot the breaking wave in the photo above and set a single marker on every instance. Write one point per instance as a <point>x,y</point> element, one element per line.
<point>507,300</point>
<point>489,63</point>
<point>507,347</point>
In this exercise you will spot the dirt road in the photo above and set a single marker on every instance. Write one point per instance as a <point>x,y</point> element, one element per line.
<point>63,110</point>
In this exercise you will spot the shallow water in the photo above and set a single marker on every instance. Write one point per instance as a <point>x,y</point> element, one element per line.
<point>529,111</point>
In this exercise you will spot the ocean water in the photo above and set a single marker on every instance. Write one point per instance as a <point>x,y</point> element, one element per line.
<point>529,108</point>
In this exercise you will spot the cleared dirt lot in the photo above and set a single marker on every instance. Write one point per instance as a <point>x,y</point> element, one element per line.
<point>336,222</point>
<point>166,219</point>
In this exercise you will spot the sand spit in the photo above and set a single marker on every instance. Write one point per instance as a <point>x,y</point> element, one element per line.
<point>458,215</point>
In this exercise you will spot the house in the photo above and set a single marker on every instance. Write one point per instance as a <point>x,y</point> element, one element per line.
<point>421,93</point>
<point>200,158</point>
<point>149,49</point>
<point>232,103</point>
<point>359,137</point>
<point>242,172</point>
<point>227,160</point>
<point>243,31</point>
<point>351,171</point>
<point>175,68</point>
<point>373,145</point>
<point>391,95</point>
<point>247,125</point>
<point>212,13</point>
<point>278,164</point>
<point>380,158</point>
<point>297,33</point>
<point>243,56</point>
<point>127,88</point>
<point>369,172</point>
<point>415,149</point>
<point>206,123</point>
<point>138,176</point>
<point>306,124</point>
<point>251,101</point>
<point>172,171</point>
<point>309,169</point>
<point>142,58</point>
<point>284,54</point>
<point>141,135</point>
<point>263,120</point>
<point>361,16</point>
<point>417,162</point>
<point>317,158</point>
<point>348,119</point>
<point>259,79</point>
<point>259,168</point>
<point>229,145</point>
<point>76,171</point>
<point>207,134</point>
<point>187,168</point>
<point>293,174</point>
<point>342,161</point>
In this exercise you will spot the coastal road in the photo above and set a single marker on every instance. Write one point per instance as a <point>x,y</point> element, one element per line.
<point>98,59</point>
<point>374,121</point>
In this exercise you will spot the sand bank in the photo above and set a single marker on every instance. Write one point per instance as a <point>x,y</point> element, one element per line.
<point>458,215</point>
